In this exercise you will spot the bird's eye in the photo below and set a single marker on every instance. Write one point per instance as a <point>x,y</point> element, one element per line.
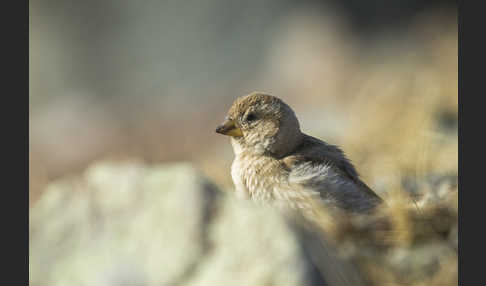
<point>251,117</point>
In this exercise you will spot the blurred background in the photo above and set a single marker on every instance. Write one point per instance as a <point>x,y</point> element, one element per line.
<point>115,80</point>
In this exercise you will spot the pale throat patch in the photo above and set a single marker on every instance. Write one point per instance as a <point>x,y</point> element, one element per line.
<point>237,148</point>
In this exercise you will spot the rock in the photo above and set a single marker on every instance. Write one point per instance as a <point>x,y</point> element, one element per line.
<point>420,262</point>
<point>134,224</point>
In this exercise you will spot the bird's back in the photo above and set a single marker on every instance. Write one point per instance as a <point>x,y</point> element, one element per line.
<point>318,166</point>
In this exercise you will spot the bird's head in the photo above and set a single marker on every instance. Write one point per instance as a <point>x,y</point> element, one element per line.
<point>261,124</point>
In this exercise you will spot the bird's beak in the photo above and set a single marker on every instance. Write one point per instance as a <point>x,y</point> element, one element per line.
<point>229,128</point>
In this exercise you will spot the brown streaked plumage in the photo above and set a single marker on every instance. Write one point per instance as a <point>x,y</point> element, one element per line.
<point>276,163</point>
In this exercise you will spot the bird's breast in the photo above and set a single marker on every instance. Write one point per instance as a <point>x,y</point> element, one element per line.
<point>257,178</point>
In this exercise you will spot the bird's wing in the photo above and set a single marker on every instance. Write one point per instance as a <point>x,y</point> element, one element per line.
<point>323,168</point>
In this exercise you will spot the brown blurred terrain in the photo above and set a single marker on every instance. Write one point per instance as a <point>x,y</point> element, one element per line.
<point>135,82</point>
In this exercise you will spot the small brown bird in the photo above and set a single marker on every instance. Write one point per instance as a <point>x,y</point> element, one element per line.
<point>276,163</point>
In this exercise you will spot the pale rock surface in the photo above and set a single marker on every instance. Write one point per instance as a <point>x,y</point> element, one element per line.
<point>134,224</point>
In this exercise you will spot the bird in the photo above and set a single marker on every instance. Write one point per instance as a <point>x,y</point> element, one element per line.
<point>276,163</point>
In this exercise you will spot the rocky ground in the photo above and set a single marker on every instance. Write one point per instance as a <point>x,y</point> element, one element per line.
<point>136,224</point>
